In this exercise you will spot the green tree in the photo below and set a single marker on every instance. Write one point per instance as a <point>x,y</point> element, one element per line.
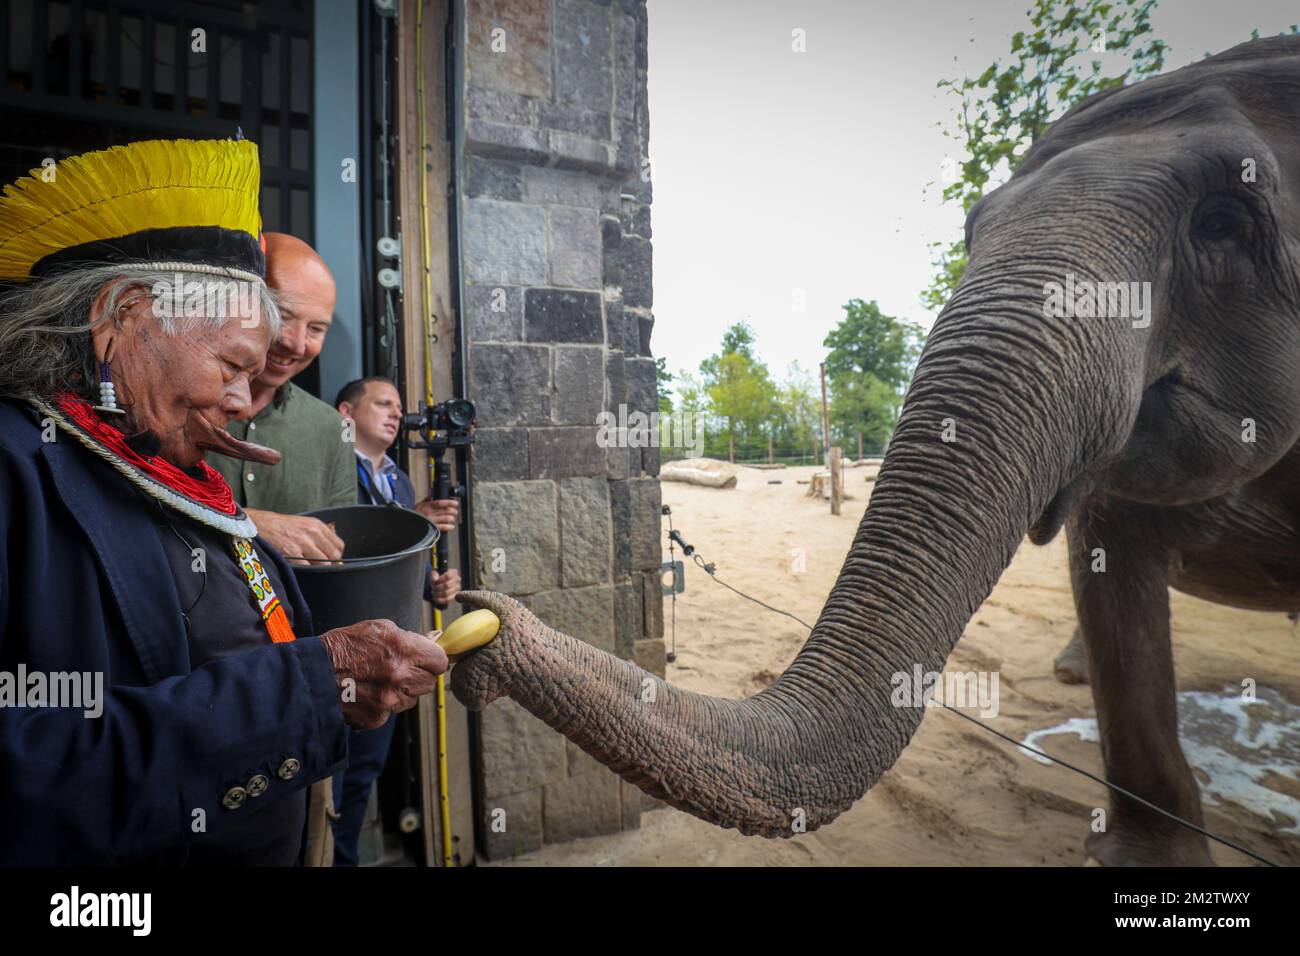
<point>1050,68</point>
<point>739,390</point>
<point>664,379</point>
<point>797,417</point>
<point>741,396</point>
<point>868,367</point>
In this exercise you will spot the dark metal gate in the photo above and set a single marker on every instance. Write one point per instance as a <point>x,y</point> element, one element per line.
<point>83,75</point>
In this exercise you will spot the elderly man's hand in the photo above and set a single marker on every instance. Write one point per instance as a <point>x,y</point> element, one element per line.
<point>381,669</point>
<point>444,586</point>
<point>442,513</point>
<point>298,536</point>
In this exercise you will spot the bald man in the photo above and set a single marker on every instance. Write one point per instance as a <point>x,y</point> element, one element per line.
<point>319,466</point>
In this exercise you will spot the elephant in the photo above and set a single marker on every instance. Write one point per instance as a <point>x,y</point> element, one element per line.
<point>1163,433</point>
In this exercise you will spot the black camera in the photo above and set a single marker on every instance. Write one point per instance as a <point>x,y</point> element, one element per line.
<point>448,424</point>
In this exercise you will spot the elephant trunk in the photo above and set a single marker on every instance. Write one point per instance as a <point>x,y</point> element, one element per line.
<point>990,434</point>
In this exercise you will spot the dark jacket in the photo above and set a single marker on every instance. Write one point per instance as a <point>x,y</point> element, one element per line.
<point>85,586</point>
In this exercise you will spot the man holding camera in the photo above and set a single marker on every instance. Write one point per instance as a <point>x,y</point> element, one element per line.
<point>375,406</point>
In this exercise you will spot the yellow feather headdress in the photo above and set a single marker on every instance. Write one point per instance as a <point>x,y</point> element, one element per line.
<point>174,203</point>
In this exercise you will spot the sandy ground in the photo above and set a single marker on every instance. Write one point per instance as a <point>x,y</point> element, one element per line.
<point>958,795</point>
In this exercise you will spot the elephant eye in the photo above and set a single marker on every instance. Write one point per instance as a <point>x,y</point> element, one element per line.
<point>1221,218</point>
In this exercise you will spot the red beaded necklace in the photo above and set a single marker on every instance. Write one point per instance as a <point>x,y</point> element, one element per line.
<point>210,490</point>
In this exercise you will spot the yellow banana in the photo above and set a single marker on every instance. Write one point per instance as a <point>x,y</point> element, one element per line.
<point>469,632</point>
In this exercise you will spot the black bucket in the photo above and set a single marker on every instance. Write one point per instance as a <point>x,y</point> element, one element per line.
<point>385,554</point>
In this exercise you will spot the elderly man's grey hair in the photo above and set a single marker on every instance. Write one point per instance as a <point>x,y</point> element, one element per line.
<point>45,345</point>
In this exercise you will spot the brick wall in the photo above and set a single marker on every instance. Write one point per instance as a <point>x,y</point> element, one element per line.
<point>557,262</point>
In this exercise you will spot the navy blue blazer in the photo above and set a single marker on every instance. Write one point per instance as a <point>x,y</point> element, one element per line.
<point>85,586</point>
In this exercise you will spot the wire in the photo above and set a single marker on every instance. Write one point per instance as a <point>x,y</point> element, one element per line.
<point>709,569</point>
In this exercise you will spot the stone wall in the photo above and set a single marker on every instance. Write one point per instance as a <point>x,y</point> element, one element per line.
<point>557,260</point>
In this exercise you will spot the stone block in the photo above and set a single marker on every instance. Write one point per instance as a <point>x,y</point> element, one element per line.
<point>581,55</point>
<point>627,619</point>
<point>635,504</point>
<point>625,77</point>
<point>650,656</point>
<point>636,220</point>
<point>584,531</point>
<point>494,313</point>
<point>650,459</point>
<point>505,243</point>
<point>642,384</point>
<point>580,762</point>
<point>575,151</point>
<point>518,58</point>
<point>511,384</point>
<point>500,106</point>
<point>525,144</point>
<point>512,824</point>
<point>630,796</point>
<point>516,536</point>
<point>583,613</point>
<point>652,601</point>
<point>636,260</point>
<point>629,151</point>
<point>594,124</point>
<point>645,328</point>
<point>493,179</point>
<point>567,452</point>
<point>620,462</point>
<point>615,379</point>
<point>500,454</point>
<point>519,752</point>
<point>611,244</point>
<point>558,315</point>
<point>583,806</point>
<point>575,247</point>
<point>579,385</point>
<point>560,187</point>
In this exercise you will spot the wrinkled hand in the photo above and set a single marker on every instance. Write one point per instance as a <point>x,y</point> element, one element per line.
<point>381,669</point>
<point>443,513</point>
<point>444,586</point>
<point>297,536</point>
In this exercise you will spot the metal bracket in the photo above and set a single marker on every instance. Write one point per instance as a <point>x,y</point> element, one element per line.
<point>390,248</point>
<point>679,577</point>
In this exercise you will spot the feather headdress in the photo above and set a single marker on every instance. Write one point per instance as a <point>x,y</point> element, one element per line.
<point>184,204</point>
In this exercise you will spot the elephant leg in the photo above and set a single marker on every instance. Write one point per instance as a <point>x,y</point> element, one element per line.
<point>1071,666</point>
<point>1124,618</point>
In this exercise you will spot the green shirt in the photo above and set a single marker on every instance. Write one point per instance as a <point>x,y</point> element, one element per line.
<point>319,467</point>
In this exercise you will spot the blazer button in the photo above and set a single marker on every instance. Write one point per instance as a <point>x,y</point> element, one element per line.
<point>234,798</point>
<point>289,769</point>
<point>257,785</point>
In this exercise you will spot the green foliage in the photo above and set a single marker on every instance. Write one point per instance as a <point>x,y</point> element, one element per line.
<point>1009,106</point>
<point>664,379</point>
<point>738,388</point>
<point>868,368</point>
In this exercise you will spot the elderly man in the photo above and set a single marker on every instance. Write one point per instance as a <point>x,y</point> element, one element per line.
<point>124,559</point>
<point>318,470</point>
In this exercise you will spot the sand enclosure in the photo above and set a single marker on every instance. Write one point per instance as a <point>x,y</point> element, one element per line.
<point>959,795</point>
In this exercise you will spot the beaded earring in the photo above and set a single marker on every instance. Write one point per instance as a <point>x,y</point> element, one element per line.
<point>107,392</point>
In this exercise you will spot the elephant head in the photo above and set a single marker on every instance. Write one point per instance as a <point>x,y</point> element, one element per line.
<point>1026,399</point>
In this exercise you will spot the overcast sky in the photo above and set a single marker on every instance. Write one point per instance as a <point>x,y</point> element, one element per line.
<point>777,171</point>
